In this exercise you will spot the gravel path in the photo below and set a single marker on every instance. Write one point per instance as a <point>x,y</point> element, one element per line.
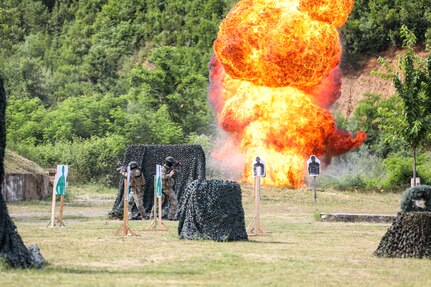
<point>76,208</point>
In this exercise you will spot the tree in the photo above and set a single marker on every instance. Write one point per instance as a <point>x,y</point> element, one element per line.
<point>12,249</point>
<point>411,78</point>
<point>367,118</point>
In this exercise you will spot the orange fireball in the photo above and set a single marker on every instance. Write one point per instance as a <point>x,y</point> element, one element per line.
<point>274,73</point>
<point>259,42</point>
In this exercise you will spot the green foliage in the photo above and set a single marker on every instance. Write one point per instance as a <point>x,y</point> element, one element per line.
<point>27,78</point>
<point>369,115</point>
<point>387,162</point>
<point>411,78</point>
<point>202,140</point>
<point>19,18</point>
<point>24,118</point>
<point>374,25</point>
<point>78,72</point>
<point>362,170</point>
<point>4,266</point>
<point>399,171</point>
<point>355,170</point>
<point>82,73</point>
<point>415,193</point>
<point>89,160</point>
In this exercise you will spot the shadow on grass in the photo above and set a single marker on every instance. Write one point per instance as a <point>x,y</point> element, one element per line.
<point>139,271</point>
<point>37,218</point>
<point>270,242</point>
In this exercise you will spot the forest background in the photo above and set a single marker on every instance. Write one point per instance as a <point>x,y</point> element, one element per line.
<point>86,78</point>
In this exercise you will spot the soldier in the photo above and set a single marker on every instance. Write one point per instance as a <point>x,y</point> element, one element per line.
<point>137,187</point>
<point>168,181</point>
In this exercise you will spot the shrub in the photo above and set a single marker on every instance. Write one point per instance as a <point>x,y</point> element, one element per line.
<point>417,198</point>
<point>400,171</point>
<point>355,170</point>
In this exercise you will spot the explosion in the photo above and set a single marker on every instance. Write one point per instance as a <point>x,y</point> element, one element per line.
<point>273,77</point>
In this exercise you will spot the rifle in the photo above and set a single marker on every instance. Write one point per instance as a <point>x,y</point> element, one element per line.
<point>177,166</point>
<point>122,167</point>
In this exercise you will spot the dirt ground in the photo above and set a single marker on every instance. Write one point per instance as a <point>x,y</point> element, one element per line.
<point>356,83</point>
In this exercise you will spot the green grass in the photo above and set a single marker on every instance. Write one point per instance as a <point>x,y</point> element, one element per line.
<point>300,251</point>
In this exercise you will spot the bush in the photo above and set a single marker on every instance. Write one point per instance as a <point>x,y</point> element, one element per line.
<point>414,194</point>
<point>355,170</point>
<point>423,168</point>
<point>363,170</point>
<point>400,171</point>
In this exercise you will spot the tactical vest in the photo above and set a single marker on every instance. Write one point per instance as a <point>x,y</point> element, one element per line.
<point>136,178</point>
<point>167,180</point>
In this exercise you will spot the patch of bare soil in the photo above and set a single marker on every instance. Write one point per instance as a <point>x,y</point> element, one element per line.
<point>354,84</point>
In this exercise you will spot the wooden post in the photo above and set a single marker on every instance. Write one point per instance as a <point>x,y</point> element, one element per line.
<point>155,206</point>
<point>62,180</point>
<point>314,184</point>
<point>156,223</point>
<point>255,228</point>
<point>60,216</point>
<point>52,222</point>
<point>159,203</point>
<point>124,228</point>
<point>257,203</point>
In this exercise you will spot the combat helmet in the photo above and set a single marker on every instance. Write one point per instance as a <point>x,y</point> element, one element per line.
<point>170,161</point>
<point>133,164</point>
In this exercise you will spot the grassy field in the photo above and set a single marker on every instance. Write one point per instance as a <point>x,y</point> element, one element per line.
<point>301,251</point>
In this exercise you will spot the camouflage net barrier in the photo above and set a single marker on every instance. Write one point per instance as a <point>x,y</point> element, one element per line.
<point>148,156</point>
<point>410,233</point>
<point>409,236</point>
<point>12,248</point>
<point>417,198</point>
<point>212,209</point>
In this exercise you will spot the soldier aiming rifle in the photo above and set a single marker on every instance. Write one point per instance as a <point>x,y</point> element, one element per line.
<point>137,186</point>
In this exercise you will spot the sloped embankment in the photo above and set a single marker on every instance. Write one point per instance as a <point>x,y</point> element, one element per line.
<point>24,179</point>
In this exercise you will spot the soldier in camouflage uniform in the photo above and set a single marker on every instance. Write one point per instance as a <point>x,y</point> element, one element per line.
<point>137,187</point>
<point>167,186</point>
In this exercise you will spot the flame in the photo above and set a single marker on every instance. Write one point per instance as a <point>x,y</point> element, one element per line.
<point>273,76</point>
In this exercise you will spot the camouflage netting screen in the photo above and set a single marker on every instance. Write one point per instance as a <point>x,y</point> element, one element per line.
<point>212,209</point>
<point>409,236</point>
<point>148,156</point>
<point>12,248</point>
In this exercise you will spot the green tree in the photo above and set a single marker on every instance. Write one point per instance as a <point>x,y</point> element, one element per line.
<point>409,77</point>
<point>83,71</point>
<point>374,26</point>
<point>368,116</point>
<point>24,118</point>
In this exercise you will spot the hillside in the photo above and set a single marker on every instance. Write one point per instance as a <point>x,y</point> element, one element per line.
<point>355,85</point>
<point>15,163</point>
<point>86,77</point>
